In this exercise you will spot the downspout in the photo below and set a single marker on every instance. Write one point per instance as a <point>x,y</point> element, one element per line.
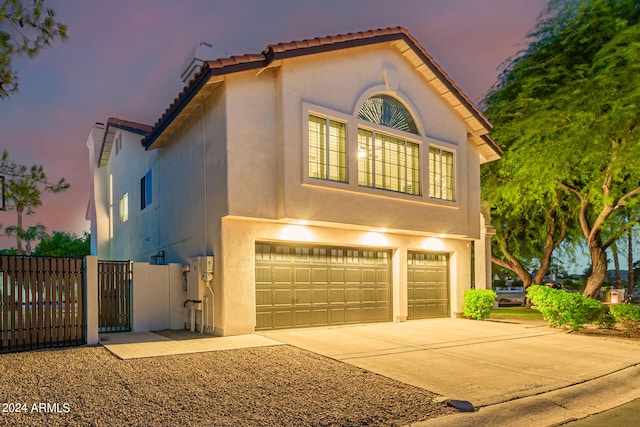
<point>204,177</point>
<point>205,321</point>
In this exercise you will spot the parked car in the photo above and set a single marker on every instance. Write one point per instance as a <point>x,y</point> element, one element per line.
<point>510,296</point>
<point>633,297</point>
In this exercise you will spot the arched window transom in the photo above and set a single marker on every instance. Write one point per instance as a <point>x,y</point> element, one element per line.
<point>388,111</point>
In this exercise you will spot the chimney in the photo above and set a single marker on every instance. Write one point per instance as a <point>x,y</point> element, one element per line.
<point>195,59</point>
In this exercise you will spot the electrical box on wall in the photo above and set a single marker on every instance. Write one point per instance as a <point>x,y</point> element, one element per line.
<point>199,275</point>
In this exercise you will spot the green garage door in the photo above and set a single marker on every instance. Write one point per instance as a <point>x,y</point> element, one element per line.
<point>300,286</point>
<point>427,285</point>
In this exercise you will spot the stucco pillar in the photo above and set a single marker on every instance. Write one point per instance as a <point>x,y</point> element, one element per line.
<point>140,297</point>
<point>91,299</point>
<point>483,273</point>
<point>399,284</point>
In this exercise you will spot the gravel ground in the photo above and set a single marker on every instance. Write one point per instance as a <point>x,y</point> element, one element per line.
<point>266,386</point>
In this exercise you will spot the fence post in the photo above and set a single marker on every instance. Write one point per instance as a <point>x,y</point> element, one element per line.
<point>140,297</point>
<point>91,299</point>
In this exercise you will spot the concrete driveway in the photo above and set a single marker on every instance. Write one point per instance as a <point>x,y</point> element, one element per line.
<point>486,363</point>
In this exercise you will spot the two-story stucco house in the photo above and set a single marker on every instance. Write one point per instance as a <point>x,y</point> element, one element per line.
<point>333,180</point>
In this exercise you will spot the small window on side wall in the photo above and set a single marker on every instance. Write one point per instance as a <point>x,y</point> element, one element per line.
<point>124,208</point>
<point>145,190</point>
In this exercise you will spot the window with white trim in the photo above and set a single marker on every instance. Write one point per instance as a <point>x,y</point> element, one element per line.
<point>441,174</point>
<point>124,208</point>
<point>388,162</point>
<point>327,149</point>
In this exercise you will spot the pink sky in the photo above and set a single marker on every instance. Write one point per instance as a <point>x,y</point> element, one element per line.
<point>123,59</point>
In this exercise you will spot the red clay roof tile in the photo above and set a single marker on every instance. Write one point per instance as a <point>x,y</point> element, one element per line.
<point>129,124</point>
<point>266,56</point>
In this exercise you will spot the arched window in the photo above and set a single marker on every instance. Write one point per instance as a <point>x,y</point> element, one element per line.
<point>388,111</point>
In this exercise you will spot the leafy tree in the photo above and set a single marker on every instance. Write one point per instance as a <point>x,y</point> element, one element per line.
<point>566,111</point>
<point>23,192</point>
<point>25,28</point>
<point>528,229</point>
<point>64,245</point>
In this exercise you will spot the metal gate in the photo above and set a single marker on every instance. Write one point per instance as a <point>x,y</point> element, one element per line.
<point>41,302</point>
<point>114,296</point>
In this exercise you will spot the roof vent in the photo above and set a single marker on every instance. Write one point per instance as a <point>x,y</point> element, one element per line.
<point>192,64</point>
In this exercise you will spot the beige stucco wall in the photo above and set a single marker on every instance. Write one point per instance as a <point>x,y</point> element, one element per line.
<point>236,279</point>
<point>137,238</point>
<point>267,130</point>
<point>234,172</point>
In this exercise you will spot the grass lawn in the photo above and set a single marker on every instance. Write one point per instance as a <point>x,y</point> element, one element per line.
<point>511,312</point>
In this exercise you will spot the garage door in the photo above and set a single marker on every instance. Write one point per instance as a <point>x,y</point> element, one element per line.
<point>427,285</point>
<point>300,286</point>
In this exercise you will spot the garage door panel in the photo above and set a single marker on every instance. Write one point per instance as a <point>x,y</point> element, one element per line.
<point>419,276</point>
<point>281,297</point>
<point>281,275</point>
<point>282,319</point>
<point>302,276</point>
<point>418,293</point>
<point>265,319</point>
<point>338,295</point>
<point>303,296</point>
<point>427,285</point>
<point>263,275</point>
<point>337,316</point>
<point>368,276</point>
<point>353,315</point>
<point>382,276</point>
<point>369,295</point>
<point>320,296</point>
<point>302,318</point>
<point>302,285</point>
<point>320,317</point>
<point>337,275</point>
<point>353,276</point>
<point>353,296</point>
<point>263,297</point>
<point>320,275</point>
<point>383,296</point>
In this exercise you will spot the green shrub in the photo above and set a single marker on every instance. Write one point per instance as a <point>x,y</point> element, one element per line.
<point>629,317</point>
<point>622,312</point>
<point>478,303</point>
<point>606,321</point>
<point>564,309</point>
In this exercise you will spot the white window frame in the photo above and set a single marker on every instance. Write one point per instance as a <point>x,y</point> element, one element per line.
<point>124,208</point>
<point>407,181</point>
<point>454,174</point>
<point>327,164</point>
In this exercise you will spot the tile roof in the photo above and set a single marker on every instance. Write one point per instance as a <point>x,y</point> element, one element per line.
<point>460,102</point>
<point>128,125</point>
<point>109,133</point>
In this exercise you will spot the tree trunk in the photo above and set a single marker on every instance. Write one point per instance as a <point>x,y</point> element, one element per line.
<point>631,280</point>
<point>616,265</point>
<point>599,267</point>
<point>19,232</point>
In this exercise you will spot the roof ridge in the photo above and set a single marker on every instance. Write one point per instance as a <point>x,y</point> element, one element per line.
<point>128,123</point>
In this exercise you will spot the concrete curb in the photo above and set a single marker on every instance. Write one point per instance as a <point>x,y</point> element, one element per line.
<point>554,407</point>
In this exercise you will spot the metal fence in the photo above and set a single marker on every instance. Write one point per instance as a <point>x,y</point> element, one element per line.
<point>114,296</point>
<point>41,302</point>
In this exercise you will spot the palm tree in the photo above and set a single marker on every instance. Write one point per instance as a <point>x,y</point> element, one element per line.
<point>33,233</point>
<point>24,195</point>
